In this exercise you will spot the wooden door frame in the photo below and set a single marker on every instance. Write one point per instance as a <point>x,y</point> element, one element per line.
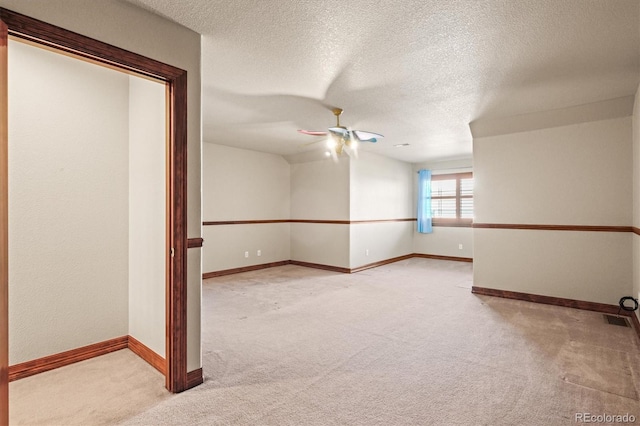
<point>4,231</point>
<point>36,31</point>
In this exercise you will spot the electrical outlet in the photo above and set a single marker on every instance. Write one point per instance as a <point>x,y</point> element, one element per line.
<point>246,254</point>
<point>460,246</point>
<point>366,252</point>
<point>259,252</point>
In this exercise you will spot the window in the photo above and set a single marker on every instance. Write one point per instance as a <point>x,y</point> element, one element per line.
<point>452,199</point>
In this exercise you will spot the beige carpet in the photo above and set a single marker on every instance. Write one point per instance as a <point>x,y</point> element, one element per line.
<point>99,391</point>
<point>402,344</point>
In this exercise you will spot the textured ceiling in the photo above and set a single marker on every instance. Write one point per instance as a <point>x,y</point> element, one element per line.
<point>417,71</point>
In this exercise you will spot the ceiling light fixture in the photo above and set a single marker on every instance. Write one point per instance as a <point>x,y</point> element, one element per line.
<point>342,139</point>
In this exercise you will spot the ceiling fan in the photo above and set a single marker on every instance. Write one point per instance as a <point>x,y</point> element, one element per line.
<point>342,139</point>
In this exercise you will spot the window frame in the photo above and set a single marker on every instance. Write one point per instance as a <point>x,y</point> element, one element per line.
<point>457,221</point>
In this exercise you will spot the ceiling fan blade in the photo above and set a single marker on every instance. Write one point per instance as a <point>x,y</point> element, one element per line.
<point>340,131</point>
<point>367,136</point>
<point>312,133</point>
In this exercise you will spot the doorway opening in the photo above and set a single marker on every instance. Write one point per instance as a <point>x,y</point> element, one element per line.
<point>87,210</point>
<point>34,31</point>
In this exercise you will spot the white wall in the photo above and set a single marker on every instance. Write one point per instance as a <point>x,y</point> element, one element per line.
<point>124,25</point>
<point>68,203</point>
<point>577,174</point>
<point>589,266</point>
<point>369,188</point>
<point>226,245</point>
<point>444,240</point>
<point>570,175</point>
<point>147,212</point>
<point>377,241</point>
<point>244,185</point>
<point>380,188</point>
<point>321,243</point>
<point>320,191</point>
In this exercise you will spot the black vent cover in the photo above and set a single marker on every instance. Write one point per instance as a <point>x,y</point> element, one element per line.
<point>616,320</point>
